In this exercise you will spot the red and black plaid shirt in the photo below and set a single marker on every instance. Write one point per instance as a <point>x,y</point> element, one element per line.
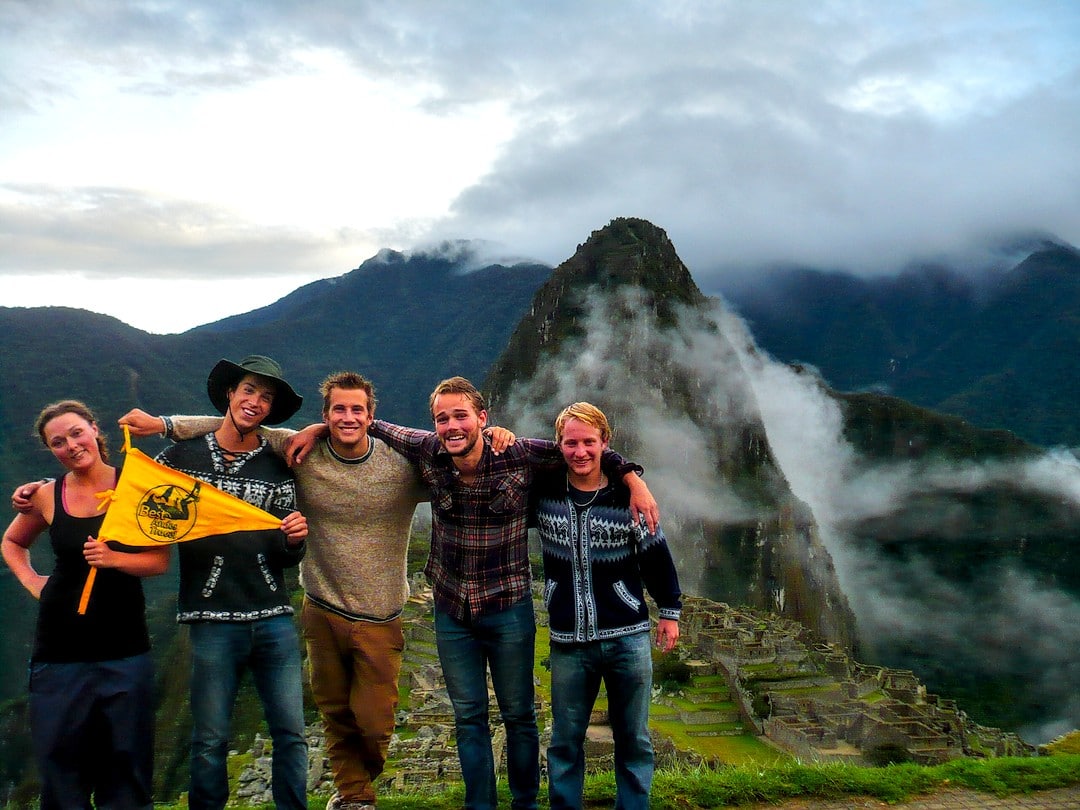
<point>479,560</point>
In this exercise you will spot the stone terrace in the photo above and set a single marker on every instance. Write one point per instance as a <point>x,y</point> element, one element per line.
<point>813,700</point>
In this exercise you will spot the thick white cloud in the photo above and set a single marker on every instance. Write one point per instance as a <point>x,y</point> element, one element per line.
<point>307,135</point>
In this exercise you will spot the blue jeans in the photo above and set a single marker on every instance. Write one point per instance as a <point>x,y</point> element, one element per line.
<point>92,731</point>
<point>625,665</point>
<point>221,652</point>
<point>505,642</point>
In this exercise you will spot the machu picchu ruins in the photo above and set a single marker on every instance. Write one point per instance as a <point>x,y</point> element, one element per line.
<point>811,699</point>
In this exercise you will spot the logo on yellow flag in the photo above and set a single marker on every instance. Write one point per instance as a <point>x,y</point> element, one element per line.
<point>168,512</point>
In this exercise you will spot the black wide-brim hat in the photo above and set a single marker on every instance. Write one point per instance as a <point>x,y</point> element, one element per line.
<point>227,374</point>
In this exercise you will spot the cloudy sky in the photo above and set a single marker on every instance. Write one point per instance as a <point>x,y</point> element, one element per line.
<point>171,163</point>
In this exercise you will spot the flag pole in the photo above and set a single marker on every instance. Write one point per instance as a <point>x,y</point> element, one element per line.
<point>89,586</point>
<point>84,599</point>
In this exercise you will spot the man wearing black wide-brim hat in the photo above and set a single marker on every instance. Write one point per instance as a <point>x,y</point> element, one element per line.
<point>233,595</point>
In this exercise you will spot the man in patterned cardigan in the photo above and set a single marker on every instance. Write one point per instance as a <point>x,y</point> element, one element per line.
<point>598,563</point>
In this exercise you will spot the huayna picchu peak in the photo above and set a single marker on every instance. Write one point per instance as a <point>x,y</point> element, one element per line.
<point>622,324</point>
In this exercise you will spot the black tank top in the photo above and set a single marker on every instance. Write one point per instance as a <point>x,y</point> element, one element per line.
<point>114,625</point>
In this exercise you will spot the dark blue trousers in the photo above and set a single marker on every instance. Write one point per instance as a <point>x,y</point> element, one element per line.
<point>92,731</point>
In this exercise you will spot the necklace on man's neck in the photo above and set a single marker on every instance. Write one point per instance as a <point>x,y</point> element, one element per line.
<point>242,434</point>
<point>572,490</point>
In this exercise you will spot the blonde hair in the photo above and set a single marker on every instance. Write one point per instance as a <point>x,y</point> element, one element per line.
<point>458,385</point>
<point>584,412</point>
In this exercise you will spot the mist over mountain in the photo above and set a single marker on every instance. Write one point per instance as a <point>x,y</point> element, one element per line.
<point>623,325</point>
<point>955,547</point>
<point>995,346</point>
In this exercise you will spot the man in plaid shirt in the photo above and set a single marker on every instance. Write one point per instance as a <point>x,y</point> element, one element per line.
<point>479,570</point>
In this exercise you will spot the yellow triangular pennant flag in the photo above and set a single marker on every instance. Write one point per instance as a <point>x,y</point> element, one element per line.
<point>154,505</point>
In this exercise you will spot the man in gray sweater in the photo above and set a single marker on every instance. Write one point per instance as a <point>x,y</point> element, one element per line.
<point>359,497</point>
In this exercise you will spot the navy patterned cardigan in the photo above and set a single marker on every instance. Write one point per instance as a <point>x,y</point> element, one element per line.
<point>597,563</point>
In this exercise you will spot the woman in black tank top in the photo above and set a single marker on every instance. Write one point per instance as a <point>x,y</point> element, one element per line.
<point>91,677</point>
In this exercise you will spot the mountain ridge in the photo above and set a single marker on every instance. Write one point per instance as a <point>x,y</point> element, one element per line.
<point>994,350</point>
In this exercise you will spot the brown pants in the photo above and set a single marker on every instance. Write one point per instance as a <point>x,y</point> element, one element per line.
<point>354,679</point>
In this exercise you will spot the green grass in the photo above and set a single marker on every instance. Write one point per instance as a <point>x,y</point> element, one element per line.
<point>701,788</point>
<point>1069,744</point>
<point>684,704</point>
<point>710,681</point>
<point>730,749</point>
<point>706,788</point>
